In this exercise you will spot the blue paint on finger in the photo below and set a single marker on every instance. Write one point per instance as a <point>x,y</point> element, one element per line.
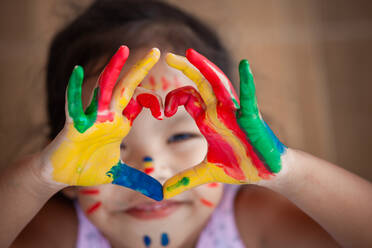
<point>137,180</point>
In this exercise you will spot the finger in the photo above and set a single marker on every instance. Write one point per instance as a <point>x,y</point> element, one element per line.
<point>247,89</point>
<point>221,85</point>
<point>144,98</point>
<point>74,103</point>
<point>187,96</point>
<point>91,111</point>
<point>107,81</point>
<point>137,180</point>
<point>186,180</point>
<point>125,88</point>
<point>182,64</point>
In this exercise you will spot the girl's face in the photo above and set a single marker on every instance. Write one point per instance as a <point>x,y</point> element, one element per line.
<point>160,148</point>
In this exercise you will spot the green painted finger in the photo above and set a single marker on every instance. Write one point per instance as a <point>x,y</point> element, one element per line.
<point>91,111</point>
<point>74,103</point>
<point>248,100</point>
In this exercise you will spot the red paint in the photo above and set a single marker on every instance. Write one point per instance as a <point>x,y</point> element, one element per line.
<point>94,208</point>
<point>132,110</point>
<point>186,96</point>
<point>226,107</point>
<point>227,116</point>
<point>149,170</point>
<point>206,202</point>
<point>165,83</point>
<point>212,185</point>
<point>150,101</point>
<point>207,68</point>
<point>147,100</point>
<point>89,191</point>
<point>152,82</point>
<point>219,151</point>
<point>107,81</point>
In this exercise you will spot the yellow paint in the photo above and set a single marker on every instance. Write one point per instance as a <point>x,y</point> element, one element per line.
<point>207,172</point>
<point>84,158</point>
<point>148,164</point>
<point>129,83</point>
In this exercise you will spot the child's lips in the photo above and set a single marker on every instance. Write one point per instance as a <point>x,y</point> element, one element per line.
<point>154,210</point>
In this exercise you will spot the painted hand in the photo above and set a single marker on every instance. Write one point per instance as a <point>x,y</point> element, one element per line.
<point>87,151</point>
<point>241,147</point>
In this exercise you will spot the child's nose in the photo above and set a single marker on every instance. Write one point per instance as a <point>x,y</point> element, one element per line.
<point>157,169</point>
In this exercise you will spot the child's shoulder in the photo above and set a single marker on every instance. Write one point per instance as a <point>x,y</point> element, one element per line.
<point>266,218</point>
<point>54,226</point>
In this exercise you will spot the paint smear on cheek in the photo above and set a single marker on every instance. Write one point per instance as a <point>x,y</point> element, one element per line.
<point>213,185</point>
<point>89,191</point>
<point>164,239</point>
<point>207,203</point>
<point>94,208</point>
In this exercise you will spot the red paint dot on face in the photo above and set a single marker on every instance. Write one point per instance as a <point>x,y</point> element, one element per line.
<point>212,185</point>
<point>207,203</point>
<point>152,82</point>
<point>165,83</point>
<point>89,191</point>
<point>149,170</point>
<point>94,207</point>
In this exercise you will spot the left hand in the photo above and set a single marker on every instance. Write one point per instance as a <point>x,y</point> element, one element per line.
<point>241,147</point>
<point>87,151</point>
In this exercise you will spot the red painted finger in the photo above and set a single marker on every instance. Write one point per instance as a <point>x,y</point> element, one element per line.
<point>144,98</point>
<point>221,85</point>
<point>107,81</point>
<point>187,96</point>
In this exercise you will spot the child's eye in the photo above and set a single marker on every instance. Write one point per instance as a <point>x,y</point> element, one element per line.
<point>181,137</point>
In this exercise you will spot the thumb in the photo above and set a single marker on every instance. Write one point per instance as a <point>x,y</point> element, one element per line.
<point>187,179</point>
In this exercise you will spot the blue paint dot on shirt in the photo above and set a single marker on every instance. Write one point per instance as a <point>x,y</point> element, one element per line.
<point>147,240</point>
<point>164,239</point>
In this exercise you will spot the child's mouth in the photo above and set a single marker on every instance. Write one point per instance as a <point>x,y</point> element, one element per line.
<point>154,210</point>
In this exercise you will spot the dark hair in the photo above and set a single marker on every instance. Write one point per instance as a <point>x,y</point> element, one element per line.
<point>98,32</point>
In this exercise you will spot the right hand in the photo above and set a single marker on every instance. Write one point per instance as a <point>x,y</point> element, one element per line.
<point>241,148</point>
<point>87,151</point>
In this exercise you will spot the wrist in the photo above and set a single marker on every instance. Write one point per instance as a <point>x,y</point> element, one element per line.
<point>283,177</point>
<point>38,175</point>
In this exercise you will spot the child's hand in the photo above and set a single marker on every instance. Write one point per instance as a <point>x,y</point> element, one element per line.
<point>87,151</point>
<point>241,147</point>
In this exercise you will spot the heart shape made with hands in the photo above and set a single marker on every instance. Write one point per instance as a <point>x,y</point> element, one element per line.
<point>241,147</point>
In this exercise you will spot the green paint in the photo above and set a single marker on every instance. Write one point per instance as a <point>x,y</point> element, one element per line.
<point>82,121</point>
<point>235,103</point>
<point>183,182</point>
<point>262,139</point>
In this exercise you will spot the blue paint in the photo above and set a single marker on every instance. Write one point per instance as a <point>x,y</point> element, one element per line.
<point>164,239</point>
<point>279,145</point>
<point>137,180</point>
<point>147,240</point>
<point>147,159</point>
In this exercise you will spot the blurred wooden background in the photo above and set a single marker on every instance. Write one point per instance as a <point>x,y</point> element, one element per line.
<point>311,59</point>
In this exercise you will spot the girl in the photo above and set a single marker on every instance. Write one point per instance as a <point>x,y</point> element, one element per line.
<point>323,205</point>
